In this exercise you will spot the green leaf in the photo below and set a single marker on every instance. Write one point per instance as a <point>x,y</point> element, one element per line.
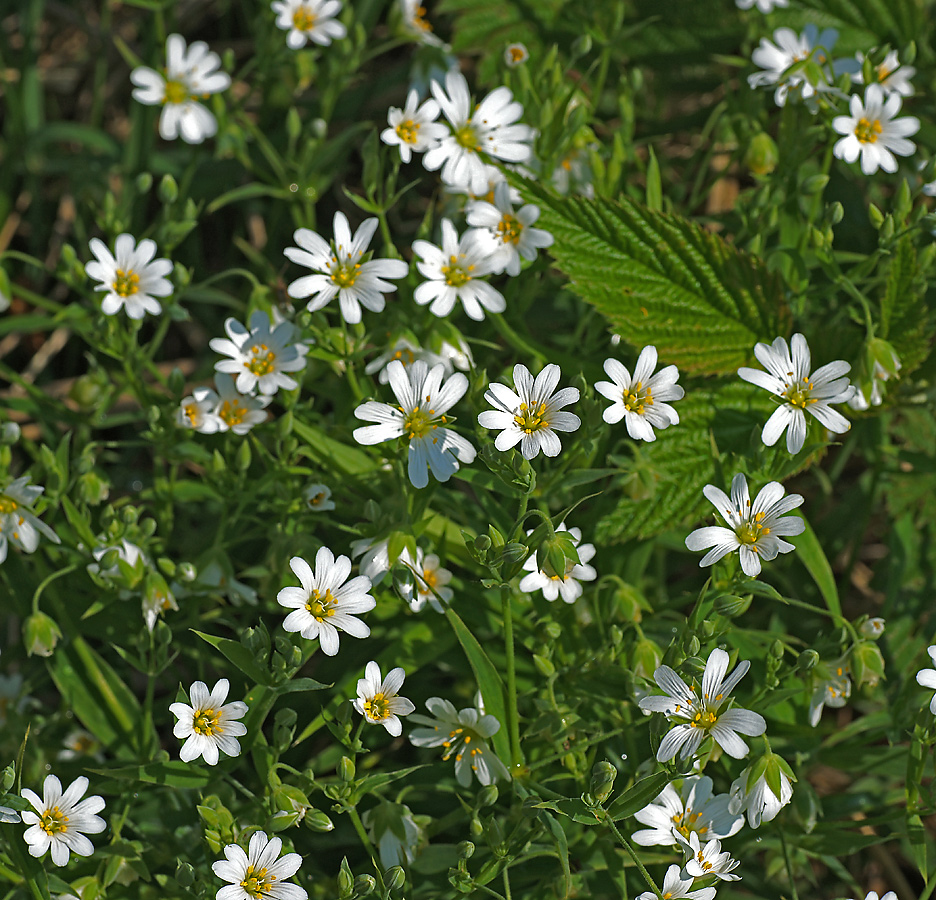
<point>661,279</point>
<point>905,315</point>
<point>638,795</point>
<point>654,183</point>
<point>238,654</point>
<point>247,192</point>
<point>302,684</point>
<point>562,850</point>
<point>809,551</point>
<point>343,459</point>
<point>173,773</point>
<point>574,808</point>
<point>489,681</point>
<point>79,522</point>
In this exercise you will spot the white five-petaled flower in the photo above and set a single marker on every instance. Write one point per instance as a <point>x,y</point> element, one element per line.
<point>308,20</point>
<point>515,55</point>
<point>788,377</point>
<point>697,717</point>
<point>420,416</point>
<point>642,401</point>
<point>341,271</point>
<point>489,128</point>
<point>260,356</point>
<point>60,819</point>
<point>415,23</point>
<point>413,128</point>
<point>260,873</point>
<point>318,497</point>
<point>130,275</point>
<point>754,531</point>
<point>531,415</point>
<point>703,861</point>
<point>833,691</point>
<point>675,887</point>
<point>568,584</point>
<point>872,131</point>
<point>692,810</point>
<point>431,580</point>
<point>790,48</point>
<point>454,272</point>
<point>189,76</point>
<point>927,677</point>
<point>508,235</point>
<point>379,700</point>
<point>889,74</point>
<point>327,602</point>
<point>751,793</point>
<point>463,734</point>
<point>238,412</point>
<point>198,411</point>
<point>764,6</point>
<point>18,524</point>
<point>209,724</point>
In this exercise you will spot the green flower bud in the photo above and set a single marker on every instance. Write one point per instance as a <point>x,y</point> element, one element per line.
<point>40,634</point>
<point>602,780</point>
<point>168,189</point>
<point>185,874</point>
<point>346,769</point>
<point>487,796</point>
<point>762,154</point>
<point>395,878</point>
<point>866,663</point>
<point>7,777</point>
<point>364,885</point>
<point>316,820</point>
<point>806,660</point>
<point>466,850</point>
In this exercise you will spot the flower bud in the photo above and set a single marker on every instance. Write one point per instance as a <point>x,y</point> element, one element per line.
<point>316,820</point>
<point>602,780</point>
<point>762,155</point>
<point>866,663</point>
<point>466,850</point>
<point>806,660</point>
<point>40,634</point>
<point>487,796</point>
<point>346,769</point>
<point>395,878</point>
<point>872,628</point>
<point>9,433</point>
<point>185,874</point>
<point>364,885</point>
<point>168,189</point>
<point>7,777</point>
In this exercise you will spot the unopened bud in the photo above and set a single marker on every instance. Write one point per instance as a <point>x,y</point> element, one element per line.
<point>364,885</point>
<point>185,874</point>
<point>346,769</point>
<point>602,780</point>
<point>395,878</point>
<point>762,155</point>
<point>40,634</point>
<point>466,850</point>
<point>316,820</point>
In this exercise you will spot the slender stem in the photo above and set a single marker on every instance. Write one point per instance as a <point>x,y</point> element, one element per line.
<point>633,854</point>
<point>362,834</point>
<point>507,884</point>
<point>487,890</point>
<point>789,866</point>
<point>513,721</point>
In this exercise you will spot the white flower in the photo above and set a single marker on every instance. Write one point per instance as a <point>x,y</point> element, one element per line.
<point>61,819</point>
<point>494,177</point>
<point>508,235</point>
<point>342,272</point>
<point>395,832</point>
<point>698,717</point>
<point>872,131</point>
<point>431,580</point>
<point>258,874</point>
<point>413,128</point>
<point>872,895</point>
<point>567,585</point>
<point>764,6</point>
<point>414,22</point>
<point>515,55</point>
<point>642,400</point>
<point>18,524</point>
<point>198,411</point>
<point>889,74</point>
<point>532,415</point>
<point>788,377</point>
<point>209,724</point>
<point>708,860</point>
<point>574,172</point>
<point>677,888</point>
<point>693,810</point>
<point>463,734</point>
<point>189,75</point>
<point>927,677</point>
<point>454,273</point>
<point>489,127</point>
<point>420,417</point>
<point>318,497</point>
<point>127,552</point>
<point>132,278</point>
<point>752,530</point>
<point>375,559</point>
<point>309,20</point>
<point>9,816</point>
<point>260,357</point>
<point>157,599</point>
<point>379,700</point>
<point>790,48</point>
<point>750,793</point>
<point>327,602</point>
<point>872,628</point>
<point>832,691</point>
<point>238,412</point>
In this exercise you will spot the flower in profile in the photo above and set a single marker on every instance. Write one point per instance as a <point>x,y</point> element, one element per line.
<point>508,235</point>
<point>341,271</point>
<point>463,734</point>
<point>764,6</point>
<point>431,580</point>
<point>788,377</point>
<point>318,498</point>
<point>872,131</point>
<point>260,873</point>
<point>642,400</point>
<point>532,413</point>
<point>238,412</point>
<point>691,810</point>
<point>413,128</point>
<point>889,74</point>
<point>190,75</point>
<point>375,560</point>
<point>791,48</point>
<point>19,525</point>
<point>379,700</point>
<point>455,272</point>
<point>872,628</point>
<point>260,356</point>
<point>754,531</point>
<point>927,677</point>
<point>703,861</point>
<point>132,278</point>
<point>395,832</point>
<point>751,791</point>
<point>488,127</point>
<point>309,20</point>
<point>9,816</point>
<point>416,24</point>
<point>127,553</point>
<point>198,411</point>
<point>327,602</point>
<point>832,690</point>
<point>157,599</point>
<point>677,888</point>
<point>419,416</point>
<point>209,725</point>
<point>515,55</point>
<point>568,584</point>
<point>61,819</point>
<point>697,717</point>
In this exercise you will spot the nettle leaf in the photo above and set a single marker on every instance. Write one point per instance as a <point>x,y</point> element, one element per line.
<point>905,316</point>
<point>661,279</point>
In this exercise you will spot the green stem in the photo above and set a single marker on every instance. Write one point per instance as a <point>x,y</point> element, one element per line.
<point>633,854</point>
<point>513,720</point>
<point>365,840</point>
<point>789,866</point>
<point>43,584</point>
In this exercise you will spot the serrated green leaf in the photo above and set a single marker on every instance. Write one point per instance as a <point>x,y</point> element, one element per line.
<point>905,315</point>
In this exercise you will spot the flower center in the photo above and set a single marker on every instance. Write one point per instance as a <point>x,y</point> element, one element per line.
<point>408,131</point>
<point>636,397</point>
<point>7,505</point>
<point>233,412</point>
<point>322,608</point>
<point>706,865</point>
<point>704,718</point>
<point>176,92</point>
<point>418,422</point>
<point>377,707</point>
<point>53,822</point>
<point>467,137</point>
<point>868,132</point>
<point>419,21</point>
<point>257,883</point>
<point>517,54</point>
<point>303,18</point>
<point>126,283</point>
<point>345,274</point>
<point>685,822</point>
<point>530,419</point>
<point>317,499</point>
<point>262,360</point>
<point>192,414</point>
<point>431,580</point>
<point>797,394</point>
<point>205,722</point>
<point>509,229</point>
<point>750,532</point>
<point>456,275</point>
